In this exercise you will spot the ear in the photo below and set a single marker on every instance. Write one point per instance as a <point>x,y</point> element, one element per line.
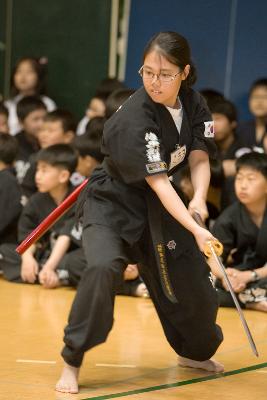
<point>69,136</point>
<point>64,176</point>
<point>233,124</point>
<point>185,72</point>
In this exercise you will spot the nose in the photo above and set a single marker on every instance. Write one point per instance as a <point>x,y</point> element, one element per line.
<point>155,79</point>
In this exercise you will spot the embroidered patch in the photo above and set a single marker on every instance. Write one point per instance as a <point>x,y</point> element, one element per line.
<point>76,231</point>
<point>209,129</point>
<point>156,167</point>
<point>171,245</point>
<point>153,147</point>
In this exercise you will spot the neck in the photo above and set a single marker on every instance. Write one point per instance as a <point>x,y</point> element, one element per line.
<point>59,193</point>
<point>225,143</point>
<point>29,92</point>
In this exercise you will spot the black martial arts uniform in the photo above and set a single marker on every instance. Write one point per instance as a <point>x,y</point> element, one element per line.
<point>10,206</point>
<point>238,233</point>
<point>28,145</point>
<point>39,206</point>
<point>124,222</point>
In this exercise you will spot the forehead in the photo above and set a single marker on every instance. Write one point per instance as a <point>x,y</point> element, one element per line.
<point>247,170</point>
<point>157,60</point>
<point>53,124</point>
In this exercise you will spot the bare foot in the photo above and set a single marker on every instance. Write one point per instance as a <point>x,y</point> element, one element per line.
<point>68,382</point>
<point>207,365</point>
<point>260,306</point>
<point>141,291</point>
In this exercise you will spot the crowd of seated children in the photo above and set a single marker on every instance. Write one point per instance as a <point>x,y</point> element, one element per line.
<point>45,135</point>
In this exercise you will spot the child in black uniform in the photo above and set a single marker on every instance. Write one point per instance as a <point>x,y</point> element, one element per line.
<point>54,167</point>
<point>242,229</point>
<point>133,213</point>
<point>10,194</point>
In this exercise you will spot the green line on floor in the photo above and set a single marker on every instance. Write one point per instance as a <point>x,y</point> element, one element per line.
<point>176,384</point>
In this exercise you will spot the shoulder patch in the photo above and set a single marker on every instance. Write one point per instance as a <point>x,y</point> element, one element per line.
<point>209,129</point>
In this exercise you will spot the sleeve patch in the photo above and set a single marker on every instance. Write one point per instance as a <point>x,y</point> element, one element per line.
<point>152,147</point>
<point>154,167</point>
<point>209,129</point>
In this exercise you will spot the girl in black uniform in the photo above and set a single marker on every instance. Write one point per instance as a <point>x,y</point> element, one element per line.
<point>132,213</point>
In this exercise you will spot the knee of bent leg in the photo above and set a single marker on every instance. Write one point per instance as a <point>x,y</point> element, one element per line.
<point>106,267</point>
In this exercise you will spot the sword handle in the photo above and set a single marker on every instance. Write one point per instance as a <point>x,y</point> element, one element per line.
<point>218,247</point>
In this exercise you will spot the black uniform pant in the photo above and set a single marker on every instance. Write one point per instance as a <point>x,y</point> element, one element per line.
<point>189,325</point>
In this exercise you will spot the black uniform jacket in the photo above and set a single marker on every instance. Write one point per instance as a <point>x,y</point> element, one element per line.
<point>236,230</point>
<point>39,206</point>
<point>137,142</point>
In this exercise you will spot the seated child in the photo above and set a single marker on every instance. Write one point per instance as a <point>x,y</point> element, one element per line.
<point>3,119</point>
<point>10,194</point>
<point>252,132</point>
<point>229,146</point>
<point>242,229</point>
<point>31,112</point>
<point>55,165</point>
<point>58,127</point>
<point>28,79</point>
<point>97,105</point>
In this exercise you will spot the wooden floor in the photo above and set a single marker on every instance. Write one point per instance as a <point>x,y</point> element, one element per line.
<point>135,363</point>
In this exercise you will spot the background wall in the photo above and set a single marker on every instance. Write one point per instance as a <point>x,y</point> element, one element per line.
<point>228,40</point>
<point>73,35</point>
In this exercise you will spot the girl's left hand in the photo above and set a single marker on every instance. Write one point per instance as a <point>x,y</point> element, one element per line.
<point>198,205</point>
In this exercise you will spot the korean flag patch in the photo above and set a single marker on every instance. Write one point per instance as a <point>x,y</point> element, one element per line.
<point>209,129</point>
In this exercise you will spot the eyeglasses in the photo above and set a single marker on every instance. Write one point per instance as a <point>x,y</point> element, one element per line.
<point>162,76</point>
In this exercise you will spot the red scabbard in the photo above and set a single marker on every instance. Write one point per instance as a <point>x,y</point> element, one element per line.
<point>51,219</point>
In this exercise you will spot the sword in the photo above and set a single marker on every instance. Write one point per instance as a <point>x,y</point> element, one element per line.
<point>215,248</point>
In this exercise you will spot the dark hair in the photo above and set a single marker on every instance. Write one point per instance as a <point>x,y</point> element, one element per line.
<point>59,155</point>
<point>107,86</point>
<point>89,147</point>
<point>40,70</point>
<point>211,96</point>
<point>3,109</point>
<point>116,99</point>
<point>258,83</point>
<point>95,127</point>
<point>226,108</point>
<point>8,148</point>
<point>253,160</point>
<point>65,117</point>
<point>29,104</point>
<point>175,48</point>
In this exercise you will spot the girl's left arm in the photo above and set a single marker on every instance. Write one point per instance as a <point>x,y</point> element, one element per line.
<point>200,177</point>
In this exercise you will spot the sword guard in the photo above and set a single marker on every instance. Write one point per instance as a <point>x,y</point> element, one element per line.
<point>217,246</point>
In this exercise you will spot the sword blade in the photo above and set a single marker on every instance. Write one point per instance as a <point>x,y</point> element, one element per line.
<point>239,309</point>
